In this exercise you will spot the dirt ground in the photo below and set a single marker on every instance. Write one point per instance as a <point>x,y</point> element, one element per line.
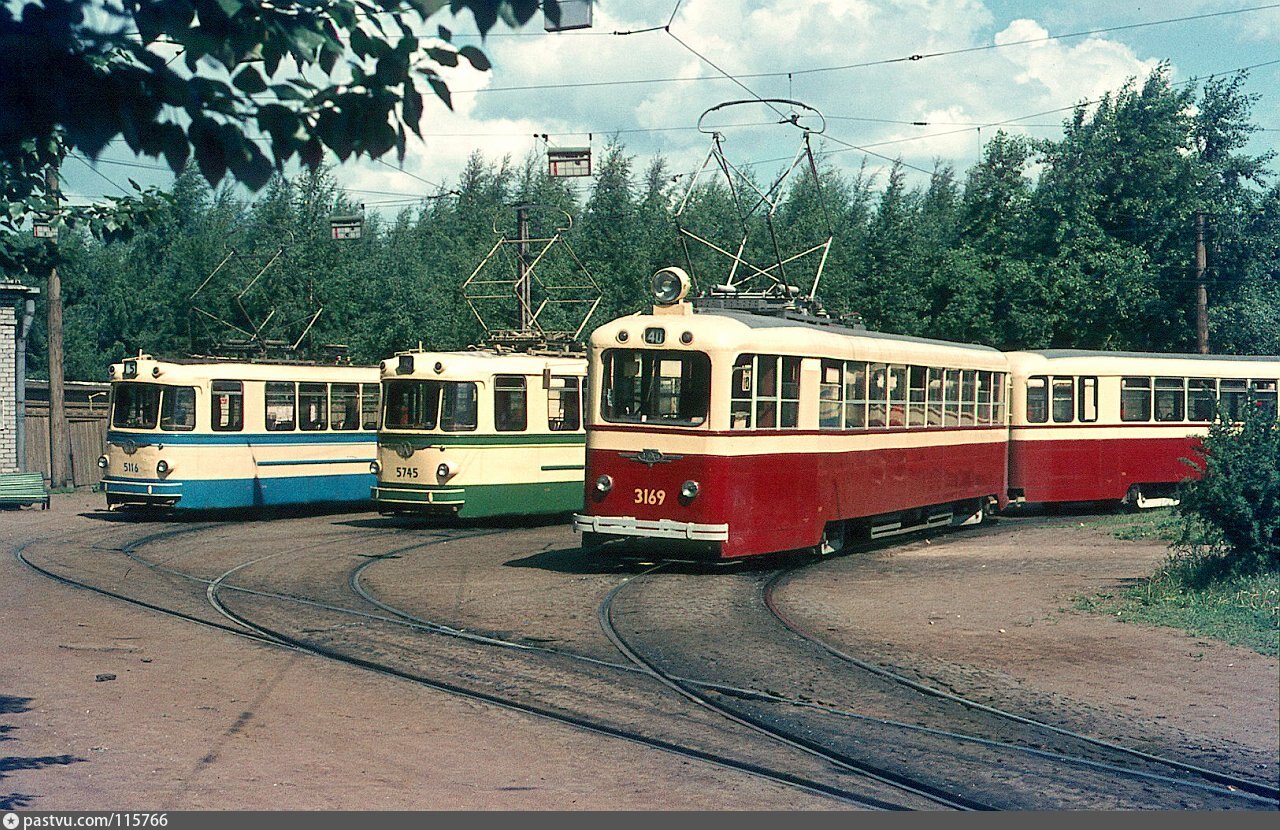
<point>198,719</point>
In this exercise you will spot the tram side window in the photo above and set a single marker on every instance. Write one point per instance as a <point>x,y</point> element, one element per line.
<point>790,393</point>
<point>227,406</point>
<point>968,397</point>
<point>459,406</point>
<point>997,398</point>
<point>984,398</point>
<point>1202,399</point>
<point>1135,399</point>
<point>1234,393</point>
<point>740,406</point>
<point>564,404</point>
<point>1064,403</point>
<point>1171,399</point>
<point>178,409</point>
<point>855,394</point>
<point>917,386</point>
<point>830,394</point>
<point>344,406</point>
<point>510,413</point>
<point>776,390</point>
<point>1038,400</point>
<point>1264,397</point>
<point>877,395</point>
<point>1088,395</point>
<point>897,396</point>
<point>933,417</point>
<point>281,401</point>
<point>313,406</point>
<point>370,404</point>
<point>951,403</point>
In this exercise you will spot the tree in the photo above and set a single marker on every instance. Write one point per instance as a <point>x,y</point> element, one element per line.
<point>196,78</point>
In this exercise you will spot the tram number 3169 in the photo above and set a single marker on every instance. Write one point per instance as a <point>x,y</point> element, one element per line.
<point>647,496</point>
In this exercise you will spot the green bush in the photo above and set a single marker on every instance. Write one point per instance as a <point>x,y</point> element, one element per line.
<point>1231,513</point>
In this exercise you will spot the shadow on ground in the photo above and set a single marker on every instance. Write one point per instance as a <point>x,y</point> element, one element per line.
<point>11,705</point>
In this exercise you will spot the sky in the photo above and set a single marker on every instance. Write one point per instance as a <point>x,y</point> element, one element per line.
<point>985,65</point>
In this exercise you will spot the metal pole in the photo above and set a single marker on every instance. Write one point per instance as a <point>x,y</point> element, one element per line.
<point>1202,294</point>
<point>523,289</point>
<point>59,440</point>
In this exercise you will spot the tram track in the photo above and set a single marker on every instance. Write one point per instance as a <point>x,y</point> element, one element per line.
<point>216,588</point>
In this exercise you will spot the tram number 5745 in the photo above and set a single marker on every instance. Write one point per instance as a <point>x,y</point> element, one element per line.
<point>647,496</point>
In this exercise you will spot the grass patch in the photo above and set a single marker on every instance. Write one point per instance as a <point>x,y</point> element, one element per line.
<point>1157,523</point>
<point>1240,610</point>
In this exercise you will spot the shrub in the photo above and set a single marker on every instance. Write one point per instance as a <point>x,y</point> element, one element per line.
<point>1231,514</point>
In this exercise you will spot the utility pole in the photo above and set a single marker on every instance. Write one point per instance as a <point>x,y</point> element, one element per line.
<point>524,290</point>
<point>59,444</point>
<point>1202,294</point>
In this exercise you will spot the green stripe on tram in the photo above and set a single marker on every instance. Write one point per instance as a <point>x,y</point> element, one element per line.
<point>391,440</point>
<point>484,500</point>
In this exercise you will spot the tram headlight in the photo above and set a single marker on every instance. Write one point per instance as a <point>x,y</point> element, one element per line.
<point>102,462</point>
<point>604,484</point>
<point>162,466</point>
<point>689,490</point>
<point>669,286</point>
<point>374,467</point>
<point>444,470</point>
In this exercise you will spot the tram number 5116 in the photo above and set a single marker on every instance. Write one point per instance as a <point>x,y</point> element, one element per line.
<point>647,496</point>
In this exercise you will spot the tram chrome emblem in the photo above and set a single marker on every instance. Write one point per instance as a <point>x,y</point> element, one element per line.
<point>129,447</point>
<point>404,449</point>
<point>650,457</point>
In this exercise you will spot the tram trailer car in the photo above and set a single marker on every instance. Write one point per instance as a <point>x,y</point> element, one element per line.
<point>733,434</point>
<point>1095,426</point>
<point>216,434</point>
<point>481,433</point>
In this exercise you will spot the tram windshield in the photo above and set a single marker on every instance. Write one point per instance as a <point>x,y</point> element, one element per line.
<point>428,404</point>
<point>144,405</point>
<point>645,386</point>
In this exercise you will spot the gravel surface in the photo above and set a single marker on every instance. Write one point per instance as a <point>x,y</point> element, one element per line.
<point>104,705</point>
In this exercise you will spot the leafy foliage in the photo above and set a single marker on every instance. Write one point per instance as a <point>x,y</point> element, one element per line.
<point>1234,505</point>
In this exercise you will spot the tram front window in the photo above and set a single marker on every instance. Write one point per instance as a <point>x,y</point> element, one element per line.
<point>654,386</point>
<point>136,406</point>
<point>416,404</point>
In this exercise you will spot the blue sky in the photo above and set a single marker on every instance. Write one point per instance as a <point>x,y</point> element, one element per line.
<point>1008,63</point>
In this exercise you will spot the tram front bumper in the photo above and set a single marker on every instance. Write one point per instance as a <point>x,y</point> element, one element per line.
<point>129,491</point>
<point>450,498</point>
<point>651,528</point>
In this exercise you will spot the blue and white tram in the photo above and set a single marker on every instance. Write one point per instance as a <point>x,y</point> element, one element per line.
<point>212,434</point>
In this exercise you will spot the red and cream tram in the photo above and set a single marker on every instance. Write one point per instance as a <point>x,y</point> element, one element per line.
<point>737,433</point>
<point>1091,426</point>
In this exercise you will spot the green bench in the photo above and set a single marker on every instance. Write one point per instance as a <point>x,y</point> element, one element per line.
<point>23,489</point>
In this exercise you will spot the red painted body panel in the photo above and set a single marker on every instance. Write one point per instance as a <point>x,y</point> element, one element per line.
<point>781,502</point>
<point>1096,469</point>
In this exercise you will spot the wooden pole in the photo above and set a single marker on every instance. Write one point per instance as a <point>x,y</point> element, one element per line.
<point>59,433</point>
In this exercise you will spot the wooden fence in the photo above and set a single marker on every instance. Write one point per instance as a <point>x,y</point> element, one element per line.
<point>86,405</point>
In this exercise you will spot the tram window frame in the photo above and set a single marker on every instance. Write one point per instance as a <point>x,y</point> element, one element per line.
<point>313,406</point>
<point>856,377</point>
<point>951,398</point>
<point>1233,395</point>
<point>917,393</point>
<point>1062,408</point>
<point>344,406</point>
<point>226,405</point>
<point>877,395</point>
<point>1202,400</point>
<point>742,381</point>
<point>459,406</point>
<point>138,414</point>
<point>285,394</point>
<point>984,398</point>
<point>510,403</point>
<point>370,406</point>
<point>1135,399</point>
<point>830,394</point>
<point>897,382</point>
<point>1087,399</point>
<point>934,405</point>
<point>1038,399</point>
<point>968,397</point>
<point>1170,396</point>
<point>1263,392</point>
<point>564,403</point>
<point>641,400</point>
<point>998,398</point>
<point>178,409</point>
